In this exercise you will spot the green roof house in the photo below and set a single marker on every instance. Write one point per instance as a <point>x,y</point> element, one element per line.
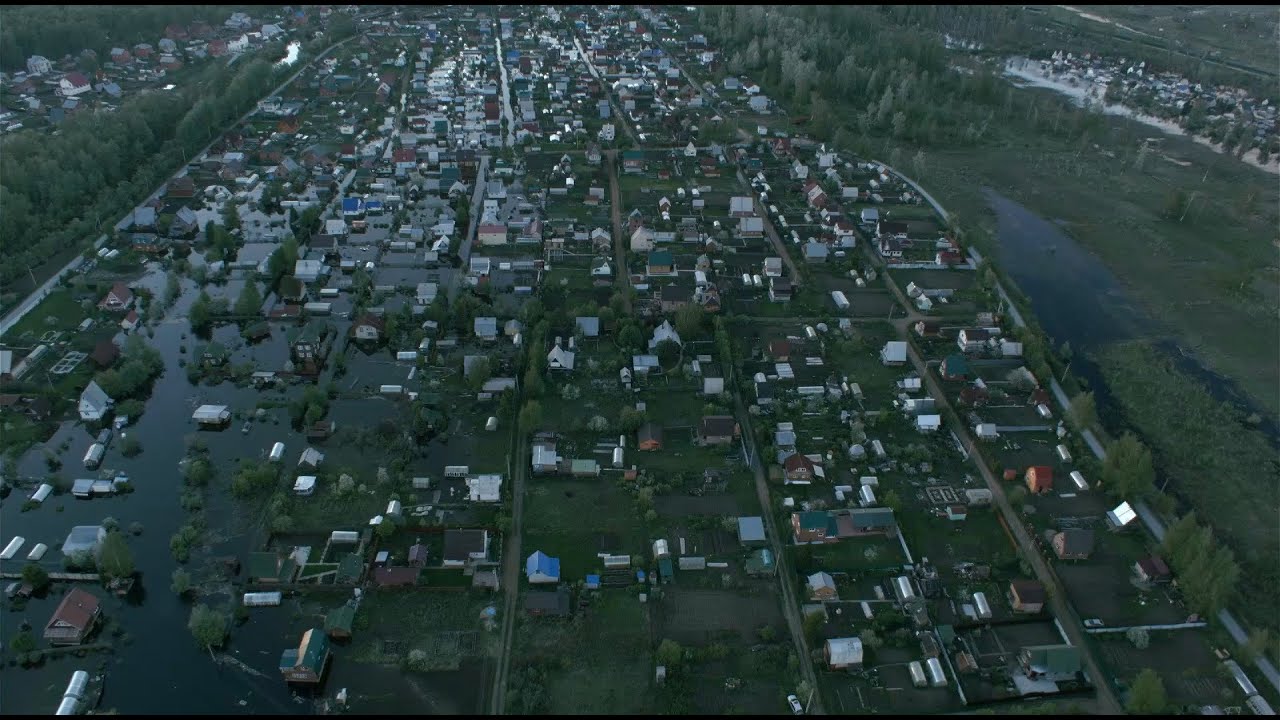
<point>1050,662</point>
<point>305,664</point>
<point>339,621</point>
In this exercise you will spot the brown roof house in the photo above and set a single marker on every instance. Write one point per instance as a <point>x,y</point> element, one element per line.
<point>1073,544</point>
<point>118,299</point>
<point>1039,478</point>
<point>800,469</point>
<point>105,353</point>
<point>717,430</point>
<point>1026,596</point>
<point>649,437</point>
<point>74,619</point>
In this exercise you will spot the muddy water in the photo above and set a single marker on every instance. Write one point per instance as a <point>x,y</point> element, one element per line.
<point>156,666</point>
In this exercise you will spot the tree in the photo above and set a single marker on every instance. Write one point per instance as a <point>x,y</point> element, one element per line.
<point>1139,637</point>
<point>669,654</point>
<point>250,301</point>
<point>668,352</point>
<point>281,262</point>
<point>1176,537</point>
<point>200,315</point>
<point>129,447</point>
<point>1146,695</point>
<point>478,374</point>
<point>23,642</point>
<point>630,338</point>
<point>530,416</point>
<point>35,576</point>
<point>116,560</point>
<point>1258,644</point>
<point>207,626</point>
<point>1128,471</point>
<point>1017,494</point>
<point>181,584</point>
<point>630,419</point>
<point>813,626</point>
<point>690,320</point>
<point>1083,410</point>
<point>892,501</point>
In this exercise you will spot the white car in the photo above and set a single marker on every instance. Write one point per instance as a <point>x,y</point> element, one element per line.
<point>795,705</point>
<point>1093,623</point>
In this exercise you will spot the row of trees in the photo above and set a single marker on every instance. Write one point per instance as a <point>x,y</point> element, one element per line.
<point>1207,571</point>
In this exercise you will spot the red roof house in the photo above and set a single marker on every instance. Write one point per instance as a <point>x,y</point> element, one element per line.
<point>119,298</point>
<point>74,619</point>
<point>1039,478</point>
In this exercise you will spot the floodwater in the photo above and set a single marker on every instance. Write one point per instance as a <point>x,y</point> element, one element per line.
<point>1078,300</point>
<point>156,666</point>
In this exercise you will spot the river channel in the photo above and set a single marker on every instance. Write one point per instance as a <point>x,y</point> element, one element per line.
<point>1078,300</point>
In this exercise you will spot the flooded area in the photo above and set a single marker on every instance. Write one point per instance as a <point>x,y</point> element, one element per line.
<point>1078,300</point>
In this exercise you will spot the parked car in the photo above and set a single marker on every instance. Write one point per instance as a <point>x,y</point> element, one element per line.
<point>794,702</point>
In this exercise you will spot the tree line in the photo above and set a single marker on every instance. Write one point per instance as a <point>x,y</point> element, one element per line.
<point>58,190</point>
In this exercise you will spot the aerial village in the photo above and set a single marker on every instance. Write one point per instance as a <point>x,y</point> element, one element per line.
<point>530,353</point>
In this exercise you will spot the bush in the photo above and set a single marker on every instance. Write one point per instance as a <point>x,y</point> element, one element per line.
<point>181,584</point>
<point>130,447</point>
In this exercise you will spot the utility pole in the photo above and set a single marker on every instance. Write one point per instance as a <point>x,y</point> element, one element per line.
<point>1188,207</point>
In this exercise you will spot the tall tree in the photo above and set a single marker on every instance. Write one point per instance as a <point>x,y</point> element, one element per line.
<point>1147,695</point>
<point>1128,471</point>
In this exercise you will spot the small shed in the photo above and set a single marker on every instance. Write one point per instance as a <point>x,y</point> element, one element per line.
<point>751,531</point>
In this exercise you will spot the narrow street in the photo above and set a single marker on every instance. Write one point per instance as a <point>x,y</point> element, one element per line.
<point>508,140</point>
<point>511,554</point>
<point>779,246</point>
<point>618,115</point>
<point>620,243</point>
<point>786,578</point>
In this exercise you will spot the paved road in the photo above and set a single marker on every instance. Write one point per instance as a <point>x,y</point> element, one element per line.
<point>786,578</point>
<point>621,244</point>
<point>49,285</point>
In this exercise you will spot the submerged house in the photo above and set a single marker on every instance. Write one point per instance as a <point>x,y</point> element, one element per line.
<point>306,663</point>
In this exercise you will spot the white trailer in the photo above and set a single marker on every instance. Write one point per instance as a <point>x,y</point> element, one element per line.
<point>918,678</point>
<point>937,678</point>
<point>277,452</point>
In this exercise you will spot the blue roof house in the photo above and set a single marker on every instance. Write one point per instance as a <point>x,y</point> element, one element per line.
<point>352,207</point>
<point>541,568</point>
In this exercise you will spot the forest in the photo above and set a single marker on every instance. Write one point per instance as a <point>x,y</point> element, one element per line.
<point>58,30</point>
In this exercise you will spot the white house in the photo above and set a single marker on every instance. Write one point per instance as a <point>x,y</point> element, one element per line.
<point>239,44</point>
<point>426,293</point>
<point>38,65</point>
<point>928,423</point>
<point>94,403</point>
<point>73,84</point>
<point>642,240</point>
<point>894,352</point>
<point>560,359</point>
<point>308,270</point>
<point>664,332</point>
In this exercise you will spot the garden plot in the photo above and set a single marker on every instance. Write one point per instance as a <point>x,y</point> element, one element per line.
<point>699,616</point>
<point>1183,661</point>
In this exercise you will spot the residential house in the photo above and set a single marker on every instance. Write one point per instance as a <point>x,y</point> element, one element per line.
<point>1073,544</point>
<point>649,436</point>
<point>954,367</point>
<point>73,84</point>
<point>306,663</point>
<point>465,547</point>
<point>181,188</point>
<point>1039,478</point>
<point>894,352</point>
<point>812,526</point>
<point>822,586</point>
<point>560,358</point>
<point>663,333</point>
<point>642,240</point>
<point>843,653</point>
<point>971,339</point>
<point>369,328</point>
<point>717,430</point>
<point>633,161</point>
<point>492,234</point>
<point>800,469</point>
<point>541,568</point>
<point>1056,663</point>
<point>1026,596</point>
<point>660,262</point>
<point>486,328</point>
<point>672,297</point>
<point>751,227</point>
<point>741,207</point>
<point>74,618</point>
<point>816,252</point>
<point>94,403</point>
<point>118,299</point>
<point>1152,569</point>
<point>780,289</point>
<point>39,65</point>
<point>751,531</point>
